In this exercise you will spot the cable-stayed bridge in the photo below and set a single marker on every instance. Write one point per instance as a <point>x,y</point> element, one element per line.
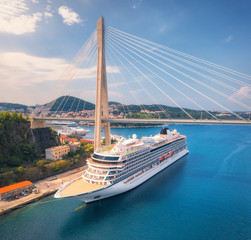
<point>151,121</point>
<point>135,71</point>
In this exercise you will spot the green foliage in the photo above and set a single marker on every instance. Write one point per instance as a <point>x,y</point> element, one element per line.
<point>57,165</point>
<point>20,148</point>
<point>16,146</point>
<point>71,154</point>
<point>21,170</point>
<point>112,141</point>
<point>9,106</point>
<point>41,163</point>
<point>67,103</point>
<point>8,178</point>
<point>84,143</point>
<point>173,112</point>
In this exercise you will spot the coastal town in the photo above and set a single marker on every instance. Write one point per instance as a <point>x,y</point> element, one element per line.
<point>19,194</point>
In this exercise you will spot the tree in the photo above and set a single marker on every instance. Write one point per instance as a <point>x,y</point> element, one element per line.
<point>21,170</point>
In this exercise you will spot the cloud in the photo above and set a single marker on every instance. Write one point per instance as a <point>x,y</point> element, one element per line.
<point>48,7</point>
<point>241,94</point>
<point>112,69</point>
<point>69,17</point>
<point>228,39</point>
<point>13,20</point>
<point>35,1</point>
<point>26,78</point>
<point>47,15</point>
<point>135,91</point>
<point>117,84</point>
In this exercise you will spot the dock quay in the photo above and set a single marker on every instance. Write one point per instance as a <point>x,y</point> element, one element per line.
<point>46,187</point>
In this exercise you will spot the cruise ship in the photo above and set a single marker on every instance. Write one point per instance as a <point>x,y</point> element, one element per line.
<point>125,165</point>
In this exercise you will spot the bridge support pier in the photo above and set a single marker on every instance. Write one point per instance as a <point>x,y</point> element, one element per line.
<point>37,123</point>
<point>101,108</point>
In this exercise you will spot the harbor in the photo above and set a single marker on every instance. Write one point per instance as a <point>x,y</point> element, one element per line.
<point>205,195</point>
<point>45,188</point>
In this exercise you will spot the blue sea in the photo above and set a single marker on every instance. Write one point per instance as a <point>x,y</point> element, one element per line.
<point>205,195</point>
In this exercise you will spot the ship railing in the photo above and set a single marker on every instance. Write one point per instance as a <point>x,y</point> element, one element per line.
<point>97,180</point>
<point>95,173</point>
<point>91,162</point>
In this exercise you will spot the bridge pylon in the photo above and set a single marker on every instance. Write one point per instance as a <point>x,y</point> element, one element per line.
<point>101,108</point>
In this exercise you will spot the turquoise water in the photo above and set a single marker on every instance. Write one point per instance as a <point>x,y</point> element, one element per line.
<point>205,195</point>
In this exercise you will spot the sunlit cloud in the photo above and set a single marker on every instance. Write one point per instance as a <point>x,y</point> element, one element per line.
<point>241,94</point>
<point>21,72</point>
<point>14,20</point>
<point>69,17</point>
<point>117,84</point>
<point>136,91</point>
<point>47,15</point>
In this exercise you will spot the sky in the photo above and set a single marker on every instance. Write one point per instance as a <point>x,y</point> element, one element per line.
<point>39,40</point>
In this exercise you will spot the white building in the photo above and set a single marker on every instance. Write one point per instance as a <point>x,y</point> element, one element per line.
<point>56,153</point>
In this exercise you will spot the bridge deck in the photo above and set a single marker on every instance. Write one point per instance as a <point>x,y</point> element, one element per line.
<point>160,121</point>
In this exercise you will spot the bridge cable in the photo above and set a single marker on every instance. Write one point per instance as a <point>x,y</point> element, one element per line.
<point>186,75</point>
<point>187,55</point>
<point>130,90</point>
<point>111,76</point>
<point>89,50</point>
<point>75,62</point>
<point>156,86</point>
<point>183,66</point>
<point>141,85</point>
<point>180,80</point>
<point>89,60</point>
<point>171,85</point>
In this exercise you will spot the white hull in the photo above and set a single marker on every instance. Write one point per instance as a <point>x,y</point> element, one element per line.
<point>131,181</point>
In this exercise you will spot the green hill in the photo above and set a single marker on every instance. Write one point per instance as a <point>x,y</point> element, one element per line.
<point>173,112</point>
<point>114,103</point>
<point>10,106</point>
<point>69,103</point>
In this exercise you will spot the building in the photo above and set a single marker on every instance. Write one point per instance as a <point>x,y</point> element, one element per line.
<point>74,144</point>
<point>56,153</point>
<point>64,139</point>
<point>14,190</point>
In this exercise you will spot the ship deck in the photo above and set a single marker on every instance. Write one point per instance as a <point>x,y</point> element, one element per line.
<point>79,187</point>
<point>106,165</point>
<point>167,141</point>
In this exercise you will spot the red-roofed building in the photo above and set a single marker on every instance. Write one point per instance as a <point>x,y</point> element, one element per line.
<point>15,189</point>
<point>87,141</point>
<point>64,139</point>
<point>73,140</point>
<point>74,144</point>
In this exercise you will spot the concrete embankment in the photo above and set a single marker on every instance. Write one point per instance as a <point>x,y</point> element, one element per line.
<point>46,187</point>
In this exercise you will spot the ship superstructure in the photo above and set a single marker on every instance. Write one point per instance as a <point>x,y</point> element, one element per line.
<point>125,165</point>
